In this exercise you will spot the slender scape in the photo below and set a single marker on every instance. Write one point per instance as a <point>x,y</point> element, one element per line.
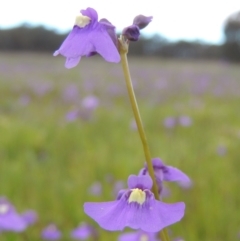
<point>123,49</point>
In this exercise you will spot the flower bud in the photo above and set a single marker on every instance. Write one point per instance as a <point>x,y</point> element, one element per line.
<point>131,32</point>
<point>142,21</point>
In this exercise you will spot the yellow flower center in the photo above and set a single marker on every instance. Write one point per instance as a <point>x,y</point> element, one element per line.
<point>137,195</point>
<point>82,21</point>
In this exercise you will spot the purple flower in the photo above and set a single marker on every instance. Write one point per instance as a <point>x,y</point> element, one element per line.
<point>90,102</point>
<point>185,121</point>
<point>88,37</point>
<point>30,217</point>
<point>136,208</point>
<point>170,122</point>
<point>83,231</point>
<point>221,150</point>
<point>138,236</point>
<point>51,232</point>
<point>24,100</point>
<point>70,93</point>
<point>133,125</point>
<point>167,173</point>
<point>72,115</point>
<point>10,220</point>
<point>95,189</point>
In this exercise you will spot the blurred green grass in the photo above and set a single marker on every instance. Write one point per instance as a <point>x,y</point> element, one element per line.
<point>48,164</point>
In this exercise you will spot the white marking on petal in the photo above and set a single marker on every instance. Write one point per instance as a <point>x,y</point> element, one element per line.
<point>82,21</point>
<point>137,195</point>
<point>3,208</point>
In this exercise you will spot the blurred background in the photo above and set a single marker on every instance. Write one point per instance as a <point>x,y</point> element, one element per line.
<point>68,136</point>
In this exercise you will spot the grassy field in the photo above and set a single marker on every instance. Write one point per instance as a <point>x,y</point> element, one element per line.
<point>48,162</point>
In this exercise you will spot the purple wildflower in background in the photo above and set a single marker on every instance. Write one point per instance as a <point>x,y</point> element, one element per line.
<point>10,220</point>
<point>185,120</point>
<point>166,173</point>
<point>72,115</point>
<point>138,236</point>
<point>95,189</point>
<point>51,232</point>
<point>169,122</point>
<point>90,102</point>
<point>30,217</point>
<point>133,125</point>
<point>136,208</point>
<point>70,93</point>
<point>221,150</point>
<point>83,232</point>
<point>88,37</point>
<point>24,100</point>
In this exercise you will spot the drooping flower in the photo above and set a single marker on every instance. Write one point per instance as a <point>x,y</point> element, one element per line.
<point>138,236</point>
<point>83,232</point>
<point>167,173</point>
<point>136,208</point>
<point>51,232</point>
<point>88,37</point>
<point>10,220</point>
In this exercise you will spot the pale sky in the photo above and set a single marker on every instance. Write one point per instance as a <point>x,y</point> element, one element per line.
<point>174,19</point>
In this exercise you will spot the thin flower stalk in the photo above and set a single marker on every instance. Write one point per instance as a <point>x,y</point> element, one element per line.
<point>123,49</point>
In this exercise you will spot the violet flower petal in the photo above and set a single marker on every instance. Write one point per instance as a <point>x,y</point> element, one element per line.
<point>91,13</point>
<point>72,62</point>
<point>169,173</point>
<point>30,217</point>
<point>142,21</point>
<point>10,220</point>
<point>117,215</point>
<point>172,174</point>
<point>143,182</point>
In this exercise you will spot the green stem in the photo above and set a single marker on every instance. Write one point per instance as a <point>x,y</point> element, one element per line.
<point>123,48</point>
